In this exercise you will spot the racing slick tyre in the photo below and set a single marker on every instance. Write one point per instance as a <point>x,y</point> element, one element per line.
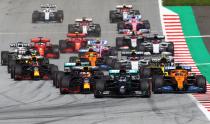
<point>98,74</point>
<point>55,50</point>
<point>120,26</point>
<point>112,16</point>
<point>53,69</point>
<point>99,88</point>
<point>171,48</point>
<point>145,88</point>
<point>117,65</point>
<point>11,63</point>
<point>72,59</point>
<point>136,12</point>
<point>146,24</point>
<point>141,48</point>
<point>64,84</point>
<point>146,72</point>
<point>60,16</point>
<point>12,74</point>
<point>62,45</point>
<point>35,16</point>
<point>17,72</point>
<point>45,61</point>
<point>59,77</point>
<point>4,57</point>
<point>158,83</point>
<point>71,28</point>
<point>201,82</point>
<point>97,32</point>
<point>119,42</point>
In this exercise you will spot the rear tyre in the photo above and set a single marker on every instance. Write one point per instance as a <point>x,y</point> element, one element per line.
<point>171,48</point>
<point>35,16</point>
<point>145,88</point>
<point>17,72</point>
<point>158,83</point>
<point>4,57</point>
<point>120,26</point>
<point>59,77</point>
<point>71,28</point>
<point>201,82</point>
<point>64,84</point>
<point>99,88</point>
<point>97,30</point>
<point>60,16</point>
<point>146,24</point>
<point>62,45</point>
<point>119,42</point>
<point>112,16</point>
<point>55,50</point>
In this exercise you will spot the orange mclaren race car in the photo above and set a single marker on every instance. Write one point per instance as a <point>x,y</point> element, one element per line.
<point>179,79</point>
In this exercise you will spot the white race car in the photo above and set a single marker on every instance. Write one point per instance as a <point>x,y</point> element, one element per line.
<point>48,12</point>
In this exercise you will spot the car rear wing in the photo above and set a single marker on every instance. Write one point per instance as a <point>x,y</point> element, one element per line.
<point>152,37</point>
<point>80,68</point>
<point>128,53</point>
<point>74,35</point>
<point>40,39</point>
<point>122,6</point>
<point>167,68</point>
<point>86,19</point>
<point>116,72</point>
<point>18,45</point>
<point>94,42</point>
<point>43,6</point>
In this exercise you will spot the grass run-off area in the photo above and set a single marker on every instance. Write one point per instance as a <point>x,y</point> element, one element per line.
<point>186,2</point>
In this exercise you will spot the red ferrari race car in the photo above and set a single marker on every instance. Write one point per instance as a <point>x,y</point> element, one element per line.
<point>133,24</point>
<point>43,46</point>
<point>73,43</point>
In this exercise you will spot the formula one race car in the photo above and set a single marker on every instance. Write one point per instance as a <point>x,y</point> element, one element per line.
<point>48,13</point>
<point>18,48</point>
<point>99,46</point>
<point>79,79</point>
<point>44,48</point>
<point>32,68</point>
<point>178,79</point>
<point>156,44</point>
<point>131,41</point>
<point>85,26</point>
<point>122,13</point>
<point>122,83</point>
<point>133,24</point>
<point>73,43</point>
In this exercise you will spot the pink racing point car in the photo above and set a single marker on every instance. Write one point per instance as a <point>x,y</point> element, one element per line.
<point>45,48</point>
<point>133,24</point>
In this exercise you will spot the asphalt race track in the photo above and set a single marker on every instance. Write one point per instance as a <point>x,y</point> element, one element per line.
<point>38,102</point>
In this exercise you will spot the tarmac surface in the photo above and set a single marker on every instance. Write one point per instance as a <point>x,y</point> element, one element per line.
<point>203,18</point>
<point>38,102</point>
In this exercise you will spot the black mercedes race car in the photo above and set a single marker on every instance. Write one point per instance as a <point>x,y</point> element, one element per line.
<point>122,83</point>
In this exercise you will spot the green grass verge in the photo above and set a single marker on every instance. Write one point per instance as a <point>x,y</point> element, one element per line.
<point>186,2</point>
<point>196,45</point>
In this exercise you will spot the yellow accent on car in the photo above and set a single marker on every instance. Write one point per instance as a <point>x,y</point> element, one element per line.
<point>36,73</point>
<point>86,85</point>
